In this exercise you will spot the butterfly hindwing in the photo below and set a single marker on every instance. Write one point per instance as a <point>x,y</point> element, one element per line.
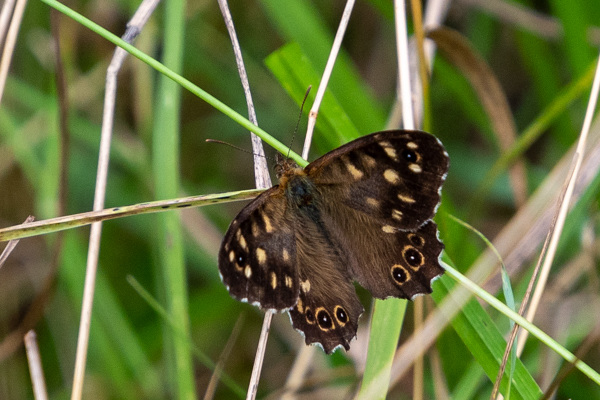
<point>398,264</point>
<point>394,175</point>
<point>328,309</point>
<point>257,259</point>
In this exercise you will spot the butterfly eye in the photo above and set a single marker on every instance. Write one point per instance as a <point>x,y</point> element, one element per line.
<point>409,155</point>
<point>340,315</point>
<point>324,319</point>
<point>413,257</point>
<point>399,274</point>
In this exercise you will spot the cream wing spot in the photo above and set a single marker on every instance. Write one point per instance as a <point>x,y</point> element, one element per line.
<point>267,221</point>
<point>242,242</point>
<point>231,256</point>
<point>273,280</point>
<point>286,255</point>
<point>248,271</point>
<point>372,202</point>
<point>391,176</point>
<point>416,168</point>
<point>300,306</point>
<point>261,256</point>
<point>391,153</point>
<point>405,198</point>
<point>412,145</point>
<point>355,172</point>
<point>388,229</point>
<point>397,215</point>
<point>255,230</point>
<point>389,150</point>
<point>305,286</point>
<point>288,281</point>
<point>368,161</point>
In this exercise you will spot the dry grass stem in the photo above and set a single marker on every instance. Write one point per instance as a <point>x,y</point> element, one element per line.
<point>35,366</point>
<point>564,207</point>
<point>335,49</point>
<point>5,14</point>
<point>10,246</point>
<point>261,170</point>
<point>214,379</point>
<point>439,383</point>
<point>11,39</point>
<point>296,376</point>
<point>403,94</point>
<point>133,29</point>
<point>263,181</point>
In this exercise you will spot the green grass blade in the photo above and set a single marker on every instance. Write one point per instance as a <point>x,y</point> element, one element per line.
<point>295,73</point>
<point>533,330</point>
<point>386,324</point>
<point>299,22</point>
<point>169,238</point>
<point>479,333</point>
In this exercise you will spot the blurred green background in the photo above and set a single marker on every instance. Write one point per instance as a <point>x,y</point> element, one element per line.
<point>534,62</point>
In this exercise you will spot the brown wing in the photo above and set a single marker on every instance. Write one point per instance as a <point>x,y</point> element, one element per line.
<point>395,176</point>
<point>328,309</point>
<point>386,187</point>
<point>257,259</point>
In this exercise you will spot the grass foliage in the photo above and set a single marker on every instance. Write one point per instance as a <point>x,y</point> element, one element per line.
<point>162,318</point>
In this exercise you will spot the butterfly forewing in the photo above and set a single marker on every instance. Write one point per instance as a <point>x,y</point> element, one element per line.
<point>394,175</point>
<point>388,184</point>
<point>257,260</point>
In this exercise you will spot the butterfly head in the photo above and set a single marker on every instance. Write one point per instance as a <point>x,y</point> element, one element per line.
<point>285,167</point>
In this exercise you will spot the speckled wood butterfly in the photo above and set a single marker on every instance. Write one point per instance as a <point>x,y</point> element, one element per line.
<point>361,212</point>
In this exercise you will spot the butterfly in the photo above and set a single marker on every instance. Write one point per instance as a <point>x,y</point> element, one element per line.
<point>361,212</point>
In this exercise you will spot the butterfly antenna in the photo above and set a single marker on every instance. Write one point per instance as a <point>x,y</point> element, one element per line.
<point>237,148</point>
<point>299,118</point>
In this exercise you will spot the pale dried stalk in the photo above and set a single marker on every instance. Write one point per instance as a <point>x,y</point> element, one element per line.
<point>12,244</point>
<point>404,93</point>
<point>11,39</point>
<point>335,49</point>
<point>261,170</point>
<point>564,207</point>
<point>297,373</point>
<point>263,180</point>
<point>133,29</point>
<point>35,366</point>
<point>7,9</point>
<point>435,14</point>
<point>214,379</point>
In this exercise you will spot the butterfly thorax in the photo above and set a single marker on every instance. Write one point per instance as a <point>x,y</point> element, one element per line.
<point>295,184</point>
